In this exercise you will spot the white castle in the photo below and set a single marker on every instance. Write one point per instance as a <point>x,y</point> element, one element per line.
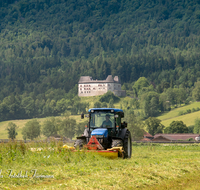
<point>89,87</point>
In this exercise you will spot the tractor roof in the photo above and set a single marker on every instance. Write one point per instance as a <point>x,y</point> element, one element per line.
<point>106,109</point>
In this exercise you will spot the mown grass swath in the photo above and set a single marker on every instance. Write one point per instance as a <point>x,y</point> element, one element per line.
<point>151,165</point>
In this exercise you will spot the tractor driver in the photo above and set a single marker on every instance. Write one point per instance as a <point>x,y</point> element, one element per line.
<point>107,122</point>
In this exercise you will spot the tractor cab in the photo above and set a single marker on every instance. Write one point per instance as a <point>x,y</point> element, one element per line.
<point>105,118</point>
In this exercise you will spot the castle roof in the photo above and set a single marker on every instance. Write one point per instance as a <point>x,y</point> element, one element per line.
<point>109,78</point>
<point>88,79</point>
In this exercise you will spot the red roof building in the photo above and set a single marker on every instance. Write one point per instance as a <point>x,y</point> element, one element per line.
<point>147,136</point>
<point>146,140</point>
<point>174,137</point>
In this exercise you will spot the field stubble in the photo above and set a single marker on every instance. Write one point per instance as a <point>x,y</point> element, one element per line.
<point>151,166</point>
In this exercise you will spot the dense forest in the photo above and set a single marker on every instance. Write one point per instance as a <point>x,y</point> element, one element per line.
<point>46,45</point>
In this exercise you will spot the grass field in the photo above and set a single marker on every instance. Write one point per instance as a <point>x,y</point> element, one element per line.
<point>151,167</point>
<point>188,119</point>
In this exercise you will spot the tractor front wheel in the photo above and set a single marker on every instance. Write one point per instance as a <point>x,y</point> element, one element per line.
<point>79,143</point>
<point>127,145</point>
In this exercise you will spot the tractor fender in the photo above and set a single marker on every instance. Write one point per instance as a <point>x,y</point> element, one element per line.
<point>122,133</point>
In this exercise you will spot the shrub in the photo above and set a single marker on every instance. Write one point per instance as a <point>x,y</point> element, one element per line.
<point>193,109</point>
<point>187,102</point>
<point>197,126</point>
<point>181,113</point>
<point>191,129</point>
<point>97,104</point>
<point>108,96</point>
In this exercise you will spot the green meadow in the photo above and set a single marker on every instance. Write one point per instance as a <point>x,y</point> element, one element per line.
<point>152,166</point>
<point>173,115</point>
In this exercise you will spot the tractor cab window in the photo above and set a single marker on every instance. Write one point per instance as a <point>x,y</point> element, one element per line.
<point>102,120</point>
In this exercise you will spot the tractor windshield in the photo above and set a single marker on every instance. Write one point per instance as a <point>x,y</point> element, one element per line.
<point>102,119</point>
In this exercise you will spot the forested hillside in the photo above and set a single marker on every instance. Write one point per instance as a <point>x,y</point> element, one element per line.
<point>46,45</point>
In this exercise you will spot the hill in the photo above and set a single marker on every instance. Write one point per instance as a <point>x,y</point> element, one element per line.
<point>174,115</point>
<point>42,42</point>
<point>47,45</point>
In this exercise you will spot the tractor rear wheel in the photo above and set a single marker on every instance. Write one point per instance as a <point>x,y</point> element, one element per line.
<point>79,143</point>
<point>127,145</point>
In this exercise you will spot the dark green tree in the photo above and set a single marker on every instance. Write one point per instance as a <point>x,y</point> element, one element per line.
<point>108,96</point>
<point>139,84</point>
<point>135,124</point>
<point>111,103</point>
<point>171,96</point>
<point>28,105</point>
<point>154,126</point>
<point>68,127</point>
<point>12,133</point>
<point>104,105</point>
<point>191,129</point>
<point>150,104</point>
<point>196,91</point>
<point>51,126</point>
<point>97,104</point>
<point>31,129</point>
<point>176,127</point>
<point>197,126</point>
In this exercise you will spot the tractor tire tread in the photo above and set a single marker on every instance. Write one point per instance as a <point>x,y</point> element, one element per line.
<point>125,144</point>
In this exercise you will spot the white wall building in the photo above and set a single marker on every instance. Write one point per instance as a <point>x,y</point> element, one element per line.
<point>89,87</point>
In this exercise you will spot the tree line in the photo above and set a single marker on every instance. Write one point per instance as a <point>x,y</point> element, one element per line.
<point>47,45</point>
<point>49,104</point>
<point>51,127</point>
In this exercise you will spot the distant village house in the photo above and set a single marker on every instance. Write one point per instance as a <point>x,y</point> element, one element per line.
<point>174,137</point>
<point>89,87</point>
<point>170,137</point>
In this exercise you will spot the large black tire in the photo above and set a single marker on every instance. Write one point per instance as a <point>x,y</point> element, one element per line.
<point>79,143</point>
<point>127,145</point>
<point>117,143</point>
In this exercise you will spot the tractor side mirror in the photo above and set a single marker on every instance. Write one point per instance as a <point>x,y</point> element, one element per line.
<point>82,116</point>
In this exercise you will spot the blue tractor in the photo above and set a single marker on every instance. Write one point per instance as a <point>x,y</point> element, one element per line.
<point>106,127</point>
